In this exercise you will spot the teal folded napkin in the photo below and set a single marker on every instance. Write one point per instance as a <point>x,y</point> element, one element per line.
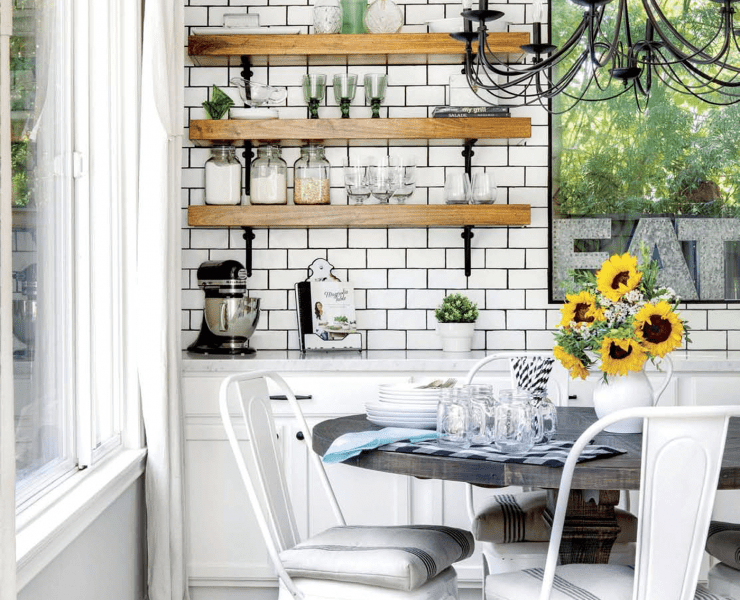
<point>351,444</point>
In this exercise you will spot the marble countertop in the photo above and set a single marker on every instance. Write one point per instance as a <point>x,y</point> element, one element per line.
<point>407,360</point>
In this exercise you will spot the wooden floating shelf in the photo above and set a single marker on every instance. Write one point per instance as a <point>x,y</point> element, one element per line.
<point>367,216</point>
<point>369,44</point>
<point>365,129</point>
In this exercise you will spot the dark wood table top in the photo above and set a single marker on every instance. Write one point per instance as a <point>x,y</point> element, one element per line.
<point>614,473</point>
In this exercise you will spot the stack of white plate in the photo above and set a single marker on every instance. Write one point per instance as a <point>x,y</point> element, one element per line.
<point>405,405</point>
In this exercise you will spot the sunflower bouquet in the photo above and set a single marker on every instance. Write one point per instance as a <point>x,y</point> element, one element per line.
<point>618,318</point>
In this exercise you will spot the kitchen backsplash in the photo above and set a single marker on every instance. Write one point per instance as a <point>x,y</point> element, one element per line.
<point>400,275</point>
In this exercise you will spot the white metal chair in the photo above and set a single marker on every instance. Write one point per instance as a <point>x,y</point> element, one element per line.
<point>343,562</point>
<point>723,544</point>
<point>509,526</point>
<point>682,452</point>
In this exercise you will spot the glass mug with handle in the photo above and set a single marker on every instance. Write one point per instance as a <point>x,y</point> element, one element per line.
<point>513,430</point>
<point>453,412</point>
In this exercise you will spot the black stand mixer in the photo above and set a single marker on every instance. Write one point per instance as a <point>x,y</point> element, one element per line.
<point>230,316</point>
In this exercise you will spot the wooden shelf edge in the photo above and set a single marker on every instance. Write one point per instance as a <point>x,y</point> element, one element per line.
<point>368,216</point>
<point>370,44</point>
<point>362,129</point>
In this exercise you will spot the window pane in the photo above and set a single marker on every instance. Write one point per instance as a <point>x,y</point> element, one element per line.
<point>42,249</point>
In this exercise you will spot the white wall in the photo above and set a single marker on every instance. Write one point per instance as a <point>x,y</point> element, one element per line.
<point>106,562</point>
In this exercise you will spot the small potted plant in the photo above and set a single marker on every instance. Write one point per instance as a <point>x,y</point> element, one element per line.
<point>456,318</point>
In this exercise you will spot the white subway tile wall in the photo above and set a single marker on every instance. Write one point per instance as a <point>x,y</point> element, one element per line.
<point>400,275</point>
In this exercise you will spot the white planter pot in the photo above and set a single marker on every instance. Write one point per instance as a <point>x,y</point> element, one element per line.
<point>456,337</point>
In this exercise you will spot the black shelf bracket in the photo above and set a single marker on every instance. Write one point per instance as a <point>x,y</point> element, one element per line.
<point>248,153</point>
<point>467,235</point>
<point>248,237</point>
<point>468,154</point>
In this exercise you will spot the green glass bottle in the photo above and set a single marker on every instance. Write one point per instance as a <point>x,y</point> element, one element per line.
<point>353,16</point>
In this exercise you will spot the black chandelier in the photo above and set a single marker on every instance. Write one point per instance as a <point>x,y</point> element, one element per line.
<point>608,55</point>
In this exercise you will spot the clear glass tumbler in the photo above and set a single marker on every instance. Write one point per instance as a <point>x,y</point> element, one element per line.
<point>453,415</point>
<point>513,431</point>
<point>480,423</point>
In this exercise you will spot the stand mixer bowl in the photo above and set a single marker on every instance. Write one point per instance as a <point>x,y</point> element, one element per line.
<point>235,317</point>
<point>24,321</point>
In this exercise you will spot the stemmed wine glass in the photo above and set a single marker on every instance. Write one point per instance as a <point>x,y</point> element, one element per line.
<point>356,181</point>
<point>375,84</point>
<point>406,173</point>
<point>314,89</point>
<point>345,86</point>
<point>383,179</point>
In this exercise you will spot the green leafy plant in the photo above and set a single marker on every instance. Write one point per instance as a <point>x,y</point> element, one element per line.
<point>218,105</point>
<point>341,319</point>
<point>456,308</point>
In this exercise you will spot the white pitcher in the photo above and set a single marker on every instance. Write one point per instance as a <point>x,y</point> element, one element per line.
<point>628,391</point>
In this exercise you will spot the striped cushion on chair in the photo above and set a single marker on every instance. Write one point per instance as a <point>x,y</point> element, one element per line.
<point>572,582</point>
<point>509,518</point>
<point>402,558</point>
<point>723,542</point>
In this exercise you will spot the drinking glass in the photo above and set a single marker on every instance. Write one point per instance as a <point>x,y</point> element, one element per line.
<point>356,181</point>
<point>483,189</point>
<point>383,180</point>
<point>480,423</point>
<point>406,177</point>
<point>545,419</point>
<point>345,87</point>
<point>452,416</point>
<point>512,430</point>
<point>314,89</point>
<point>457,188</point>
<point>375,84</point>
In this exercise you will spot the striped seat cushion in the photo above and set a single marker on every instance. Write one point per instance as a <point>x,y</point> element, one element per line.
<point>723,542</point>
<point>572,582</point>
<point>403,557</point>
<point>509,518</point>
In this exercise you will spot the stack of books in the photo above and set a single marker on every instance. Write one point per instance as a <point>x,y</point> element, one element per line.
<point>471,111</point>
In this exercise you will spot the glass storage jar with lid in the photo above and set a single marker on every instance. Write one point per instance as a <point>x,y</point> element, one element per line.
<point>311,176</point>
<point>223,176</point>
<point>268,177</point>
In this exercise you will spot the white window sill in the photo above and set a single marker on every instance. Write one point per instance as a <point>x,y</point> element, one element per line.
<point>47,527</point>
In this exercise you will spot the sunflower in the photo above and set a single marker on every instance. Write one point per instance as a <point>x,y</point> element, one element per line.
<point>570,362</point>
<point>619,356</point>
<point>659,328</point>
<point>580,308</point>
<point>618,276</point>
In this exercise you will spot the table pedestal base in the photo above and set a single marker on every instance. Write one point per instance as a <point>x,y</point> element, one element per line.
<point>590,529</point>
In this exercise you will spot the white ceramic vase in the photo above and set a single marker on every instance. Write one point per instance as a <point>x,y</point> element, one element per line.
<point>628,391</point>
<point>456,337</point>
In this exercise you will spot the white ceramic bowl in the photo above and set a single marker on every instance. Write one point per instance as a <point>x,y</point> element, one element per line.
<point>450,25</point>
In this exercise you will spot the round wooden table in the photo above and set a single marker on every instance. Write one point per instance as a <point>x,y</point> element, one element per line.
<point>590,528</point>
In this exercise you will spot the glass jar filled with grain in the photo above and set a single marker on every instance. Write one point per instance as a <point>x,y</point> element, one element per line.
<point>311,176</point>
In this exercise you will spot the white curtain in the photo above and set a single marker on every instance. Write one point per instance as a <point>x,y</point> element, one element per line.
<point>158,272</point>
<point>7,418</point>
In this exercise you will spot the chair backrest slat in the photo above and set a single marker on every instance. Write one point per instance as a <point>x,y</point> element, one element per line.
<point>682,452</point>
<point>681,460</point>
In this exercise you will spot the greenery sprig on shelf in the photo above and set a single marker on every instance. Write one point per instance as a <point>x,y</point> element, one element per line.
<point>456,308</point>
<point>218,105</point>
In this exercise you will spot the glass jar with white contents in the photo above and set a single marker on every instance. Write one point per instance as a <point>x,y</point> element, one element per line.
<point>268,177</point>
<point>223,176</point>
<point>311,176</point>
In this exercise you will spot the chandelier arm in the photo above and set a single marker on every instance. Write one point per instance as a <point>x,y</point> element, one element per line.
<point>649,5</point>
<point>613,45</point>
<point>702,95</point>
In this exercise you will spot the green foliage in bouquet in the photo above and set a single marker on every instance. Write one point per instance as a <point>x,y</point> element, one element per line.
<point>456,308</point>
